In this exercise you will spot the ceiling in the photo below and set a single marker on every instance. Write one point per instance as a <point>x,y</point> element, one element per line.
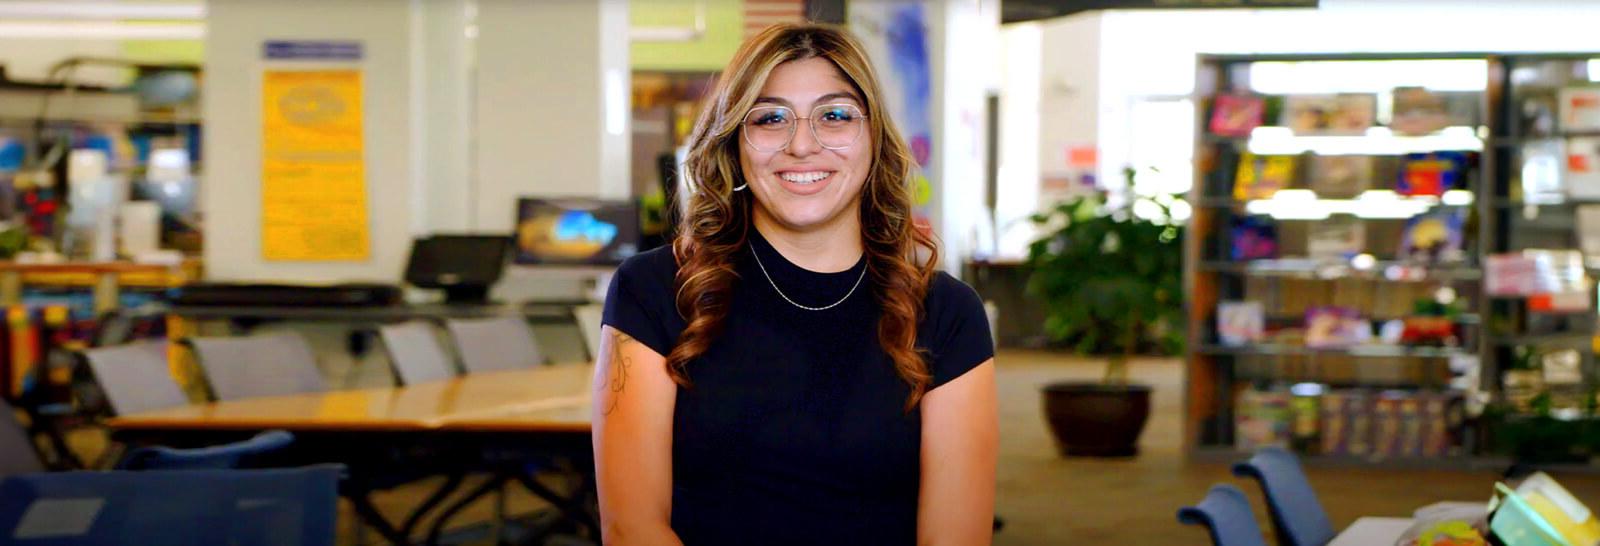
<point>1017,11</point>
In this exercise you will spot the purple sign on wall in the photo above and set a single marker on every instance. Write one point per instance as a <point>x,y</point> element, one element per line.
<point>311,50</point>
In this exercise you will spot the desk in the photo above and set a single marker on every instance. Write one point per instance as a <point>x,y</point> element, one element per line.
<point>553,312</point>
<point>542,399</point>
<point>106,278</point>
<point>514,415</point>
<point>1370,531</point>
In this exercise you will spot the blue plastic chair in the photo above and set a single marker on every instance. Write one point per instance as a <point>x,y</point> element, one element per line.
<point>278,507</point>
<point>1225,512</point>
<point>223,457</point>
<point>1297,516</point>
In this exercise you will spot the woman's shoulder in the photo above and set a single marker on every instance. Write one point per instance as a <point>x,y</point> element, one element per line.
<point>945,292</point>
<point>651,269</point>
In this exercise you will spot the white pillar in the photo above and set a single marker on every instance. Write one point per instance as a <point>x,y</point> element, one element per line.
<point>966,42</point>
<point>447,36</point>
<point>551,103</point>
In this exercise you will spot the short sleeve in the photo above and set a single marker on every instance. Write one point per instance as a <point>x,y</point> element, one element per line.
<point>958,329</point>
<point>636,301</point>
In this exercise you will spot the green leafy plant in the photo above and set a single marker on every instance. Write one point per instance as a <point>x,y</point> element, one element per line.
<point>1111,281</point>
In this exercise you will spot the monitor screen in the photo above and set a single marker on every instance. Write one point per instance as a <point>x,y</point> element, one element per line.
<point>443,261</point>
<point>576,231</point>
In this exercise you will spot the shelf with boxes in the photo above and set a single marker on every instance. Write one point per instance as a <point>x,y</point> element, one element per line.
<point>1412,228</point>
<point>1335,264</point>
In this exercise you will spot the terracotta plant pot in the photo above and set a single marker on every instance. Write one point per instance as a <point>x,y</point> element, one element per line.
<point>1095,419</point>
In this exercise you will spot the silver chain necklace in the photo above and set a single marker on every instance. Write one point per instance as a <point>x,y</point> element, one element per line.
<point>775,288</point>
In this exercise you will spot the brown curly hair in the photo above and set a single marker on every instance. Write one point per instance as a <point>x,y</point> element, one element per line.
<point>900,257</point>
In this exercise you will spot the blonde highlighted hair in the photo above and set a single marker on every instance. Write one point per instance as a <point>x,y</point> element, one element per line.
<point>717,219</point>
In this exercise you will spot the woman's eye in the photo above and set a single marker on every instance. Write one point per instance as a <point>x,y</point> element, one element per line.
<point>838,114</point>
<point>771,118</point>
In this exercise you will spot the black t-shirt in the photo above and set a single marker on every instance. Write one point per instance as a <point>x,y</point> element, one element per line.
<point>794,431</point>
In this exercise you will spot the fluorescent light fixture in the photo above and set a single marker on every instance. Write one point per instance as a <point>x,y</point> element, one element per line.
<point>696,31</point>
<point>1364,262</point>
<point>1289,207</point>
<point>663,34</point>
<point>1301,204</point>
<point>1306,389</point>
<point>1457,198</point>
<point>616,102</point>
<point>103,30</point>
<point>1323,77</point>
<point>1377,141</point>
<point>78,11</point>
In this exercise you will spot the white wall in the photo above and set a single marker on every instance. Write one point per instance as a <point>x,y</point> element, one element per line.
<point>1050,101</point>
<point>965,40</point>
<point>32,58</point>
<point>443,196</point>
<point>1021,126</point>
<point>468,105</point>
<point>231,190</point>
<point>544,122</point>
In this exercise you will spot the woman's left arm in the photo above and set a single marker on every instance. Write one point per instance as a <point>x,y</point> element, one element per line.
<point>960,447</point>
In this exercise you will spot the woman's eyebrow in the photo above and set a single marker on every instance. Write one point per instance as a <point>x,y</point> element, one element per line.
<point>836,96</point>
<point>825,99</point>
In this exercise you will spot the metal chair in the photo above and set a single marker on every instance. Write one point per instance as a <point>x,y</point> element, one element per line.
<point>589,322</point>
<point>254,366</point>
<point>494,344</point>
<point>1297,516</point>
<point>1225,513</point>
<point>134,378</point>
<point>279,507</point>
<point>415,353</point>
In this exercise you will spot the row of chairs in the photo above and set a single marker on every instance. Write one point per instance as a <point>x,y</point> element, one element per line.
<point>133,378</point>
<point>1298,518</point>
<point>160,495</point>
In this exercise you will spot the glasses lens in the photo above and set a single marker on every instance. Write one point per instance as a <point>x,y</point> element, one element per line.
<point>768,128</point>
<point>837,125</point>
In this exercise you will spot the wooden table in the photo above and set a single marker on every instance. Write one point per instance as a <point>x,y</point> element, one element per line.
<point>1371,531</point>
<point>543,399</point>
<point>454,425</point>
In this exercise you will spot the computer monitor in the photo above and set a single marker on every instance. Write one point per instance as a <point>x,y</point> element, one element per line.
<point>464,266</point>
<point>576,232</point>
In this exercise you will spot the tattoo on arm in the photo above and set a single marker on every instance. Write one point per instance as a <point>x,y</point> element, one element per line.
<point>617,378</point>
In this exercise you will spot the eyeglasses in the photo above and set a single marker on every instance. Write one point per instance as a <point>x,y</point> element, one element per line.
<point>771,128</point>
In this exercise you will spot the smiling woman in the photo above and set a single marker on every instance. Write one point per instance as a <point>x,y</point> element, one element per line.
<point>794,370</point>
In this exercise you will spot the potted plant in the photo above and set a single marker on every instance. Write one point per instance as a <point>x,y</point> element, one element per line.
<point>1111,282</point>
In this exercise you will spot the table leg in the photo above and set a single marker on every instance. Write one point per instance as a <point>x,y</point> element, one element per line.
<point>451,483</point>
<point>107,292</point>
<point>568,506</point>
<point>434,532</point>
<point>369,514</point>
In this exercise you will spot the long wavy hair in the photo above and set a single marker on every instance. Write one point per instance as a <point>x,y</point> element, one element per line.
<point>900,257</point>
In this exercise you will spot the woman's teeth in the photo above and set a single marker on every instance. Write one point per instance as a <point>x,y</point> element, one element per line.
<point>804,178</point>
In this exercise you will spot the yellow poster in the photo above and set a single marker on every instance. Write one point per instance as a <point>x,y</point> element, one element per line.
<point>313,170</point>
